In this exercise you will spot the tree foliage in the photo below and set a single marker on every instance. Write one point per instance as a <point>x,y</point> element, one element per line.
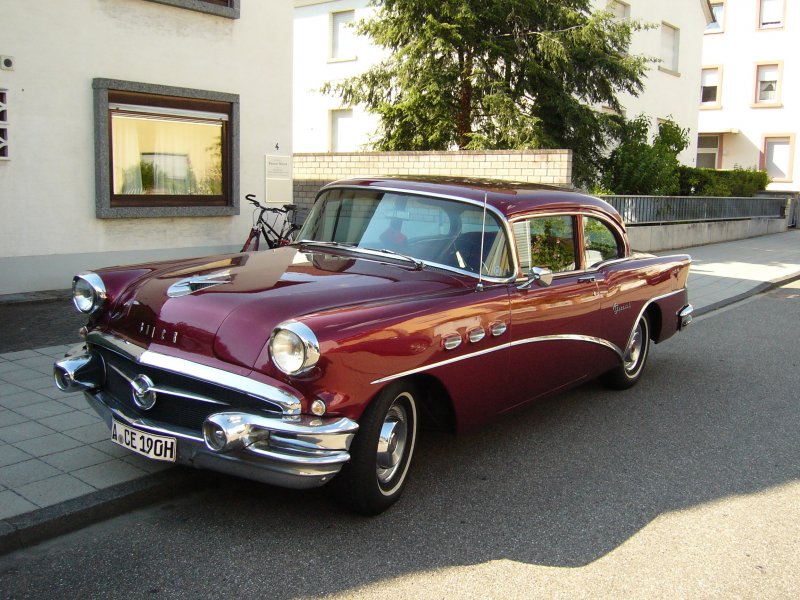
<point>738,181</point>
<point>497,74</point>
<point>637,166</point>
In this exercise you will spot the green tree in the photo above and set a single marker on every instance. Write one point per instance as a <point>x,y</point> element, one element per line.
<point>637,166</point>
<point>497,74</point>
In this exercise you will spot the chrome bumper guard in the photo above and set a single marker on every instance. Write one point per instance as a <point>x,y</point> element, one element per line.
<point>685,316</point>
<point>296,451</point>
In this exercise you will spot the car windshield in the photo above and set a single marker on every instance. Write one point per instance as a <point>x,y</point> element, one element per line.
<point>433,230</point>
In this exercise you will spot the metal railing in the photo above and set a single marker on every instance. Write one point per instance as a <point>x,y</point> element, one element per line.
<point>650,210</point>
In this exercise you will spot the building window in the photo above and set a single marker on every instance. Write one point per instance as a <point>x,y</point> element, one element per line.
<point>165,151</point>
<point>342,37</point>
<point>777,157</point>
<point>710,87</point>
<point>768,78</point>
<point>343,138</point>
<point>718,24</point>
<point>708,151</point>
<point>770,14</point>
<point>621,10</point>
<point>221,8</point>
<point>670,43</point>
<point>3,124</point>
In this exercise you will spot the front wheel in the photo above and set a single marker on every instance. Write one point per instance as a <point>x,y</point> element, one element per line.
<point>629,372</point>
<point>381,452</point>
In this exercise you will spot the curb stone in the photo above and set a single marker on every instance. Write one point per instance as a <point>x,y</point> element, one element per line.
<point>43,524</point>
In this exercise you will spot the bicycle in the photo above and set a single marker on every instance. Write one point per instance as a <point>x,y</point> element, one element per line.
<point>275,236</point>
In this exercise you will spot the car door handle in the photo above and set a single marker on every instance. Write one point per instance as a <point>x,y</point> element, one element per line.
<point>587,279</point>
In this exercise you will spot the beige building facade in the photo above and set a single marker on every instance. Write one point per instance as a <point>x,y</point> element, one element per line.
<point>750,89</point>
<point>129,130</point>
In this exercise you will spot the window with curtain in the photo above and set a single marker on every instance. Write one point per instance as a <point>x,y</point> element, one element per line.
<point>708,151</point>
<point>768,81</point>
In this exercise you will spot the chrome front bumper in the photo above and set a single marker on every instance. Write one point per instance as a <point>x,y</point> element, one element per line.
<point>295,451</point>
<point>685,316</point>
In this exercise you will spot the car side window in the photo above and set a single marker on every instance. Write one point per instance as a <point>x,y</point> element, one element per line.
<point>546,242</point>
<point>600,243</point>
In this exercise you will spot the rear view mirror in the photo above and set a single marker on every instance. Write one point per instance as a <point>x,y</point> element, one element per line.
<point>540,276</point>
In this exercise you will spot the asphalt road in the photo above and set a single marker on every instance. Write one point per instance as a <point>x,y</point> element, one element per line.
<point>39,324</point>
<point>688,485</point>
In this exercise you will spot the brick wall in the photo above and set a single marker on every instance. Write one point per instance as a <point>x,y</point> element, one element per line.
<point>312,171</point>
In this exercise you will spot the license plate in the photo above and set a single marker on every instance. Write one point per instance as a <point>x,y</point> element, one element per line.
<point>157,447</point>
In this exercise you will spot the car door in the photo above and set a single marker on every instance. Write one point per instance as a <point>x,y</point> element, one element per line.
<point>556,339</point>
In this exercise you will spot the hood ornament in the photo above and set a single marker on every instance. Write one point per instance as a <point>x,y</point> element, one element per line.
<point>197,283</point>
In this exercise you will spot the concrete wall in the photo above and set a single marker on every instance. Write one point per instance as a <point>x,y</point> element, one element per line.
<point>312,171</point>
<point>654,238</point>
<point>49,229</point>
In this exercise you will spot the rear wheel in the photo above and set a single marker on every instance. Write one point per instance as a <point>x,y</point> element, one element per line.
<point>634,358</point>
<point>381,452</point>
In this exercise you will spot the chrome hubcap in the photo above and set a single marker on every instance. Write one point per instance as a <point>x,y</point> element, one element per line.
<point>392,442</point>
<point>634,350</point>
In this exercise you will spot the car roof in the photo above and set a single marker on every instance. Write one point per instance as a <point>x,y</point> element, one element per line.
<point>511,198</point>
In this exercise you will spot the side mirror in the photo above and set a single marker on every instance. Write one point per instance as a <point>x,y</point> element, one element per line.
<point>538,275</point>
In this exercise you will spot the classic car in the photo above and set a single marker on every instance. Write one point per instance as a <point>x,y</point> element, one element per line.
<point>401,303</point>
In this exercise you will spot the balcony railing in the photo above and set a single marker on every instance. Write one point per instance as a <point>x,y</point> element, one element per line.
<point>652,210</point>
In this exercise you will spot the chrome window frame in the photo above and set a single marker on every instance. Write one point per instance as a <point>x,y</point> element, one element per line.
<point>504,222</point>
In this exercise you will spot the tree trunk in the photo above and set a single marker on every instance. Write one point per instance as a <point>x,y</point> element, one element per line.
<point>464,115</point>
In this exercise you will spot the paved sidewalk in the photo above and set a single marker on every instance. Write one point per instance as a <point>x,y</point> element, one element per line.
<point>59,470</point>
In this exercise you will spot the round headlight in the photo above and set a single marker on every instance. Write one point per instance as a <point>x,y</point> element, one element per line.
<point>294,348</point>
<point>88,292</point>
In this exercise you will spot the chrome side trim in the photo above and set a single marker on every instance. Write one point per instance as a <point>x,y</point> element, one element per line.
<point>645,306</point>
<point>289,403</point>
<point>533,340</point>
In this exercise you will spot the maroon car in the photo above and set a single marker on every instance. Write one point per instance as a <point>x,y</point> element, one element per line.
<point>402,302</point>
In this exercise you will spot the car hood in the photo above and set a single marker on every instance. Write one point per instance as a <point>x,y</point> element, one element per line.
<point>227,306</point>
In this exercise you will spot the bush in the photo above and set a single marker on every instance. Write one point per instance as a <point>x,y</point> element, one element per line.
<point>639,167</point>
<point>738,182</point>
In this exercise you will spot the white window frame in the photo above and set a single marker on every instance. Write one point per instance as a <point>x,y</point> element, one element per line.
<point>771,24</point>
<point>776,102</point>
<point>789,138</point>
<point>671,66</point>
<point>717,102</point>
<point>335,53</point>
<point>716,152</point>
<point>333,129</point>
<point>717,25</point>
<point>626,9</point>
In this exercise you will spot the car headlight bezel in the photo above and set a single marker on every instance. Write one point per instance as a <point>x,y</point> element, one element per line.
<point>88,292</point>
<point>293,348</point>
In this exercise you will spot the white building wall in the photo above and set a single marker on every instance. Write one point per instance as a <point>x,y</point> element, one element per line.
<point>314,65</point>
<point>741,124</point>
<point>49,229</point>
<point>674,94</point>
<point>669,93</point>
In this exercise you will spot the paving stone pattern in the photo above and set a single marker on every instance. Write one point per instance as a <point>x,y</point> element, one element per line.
<point>53,446</point>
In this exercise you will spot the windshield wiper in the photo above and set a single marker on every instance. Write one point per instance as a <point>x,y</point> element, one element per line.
<point>418,264</point>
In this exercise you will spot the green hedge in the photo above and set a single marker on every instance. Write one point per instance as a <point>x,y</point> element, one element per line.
<point>708,182</point>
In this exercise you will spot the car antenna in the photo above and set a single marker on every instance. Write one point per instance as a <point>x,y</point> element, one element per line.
<point>483,235</point>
